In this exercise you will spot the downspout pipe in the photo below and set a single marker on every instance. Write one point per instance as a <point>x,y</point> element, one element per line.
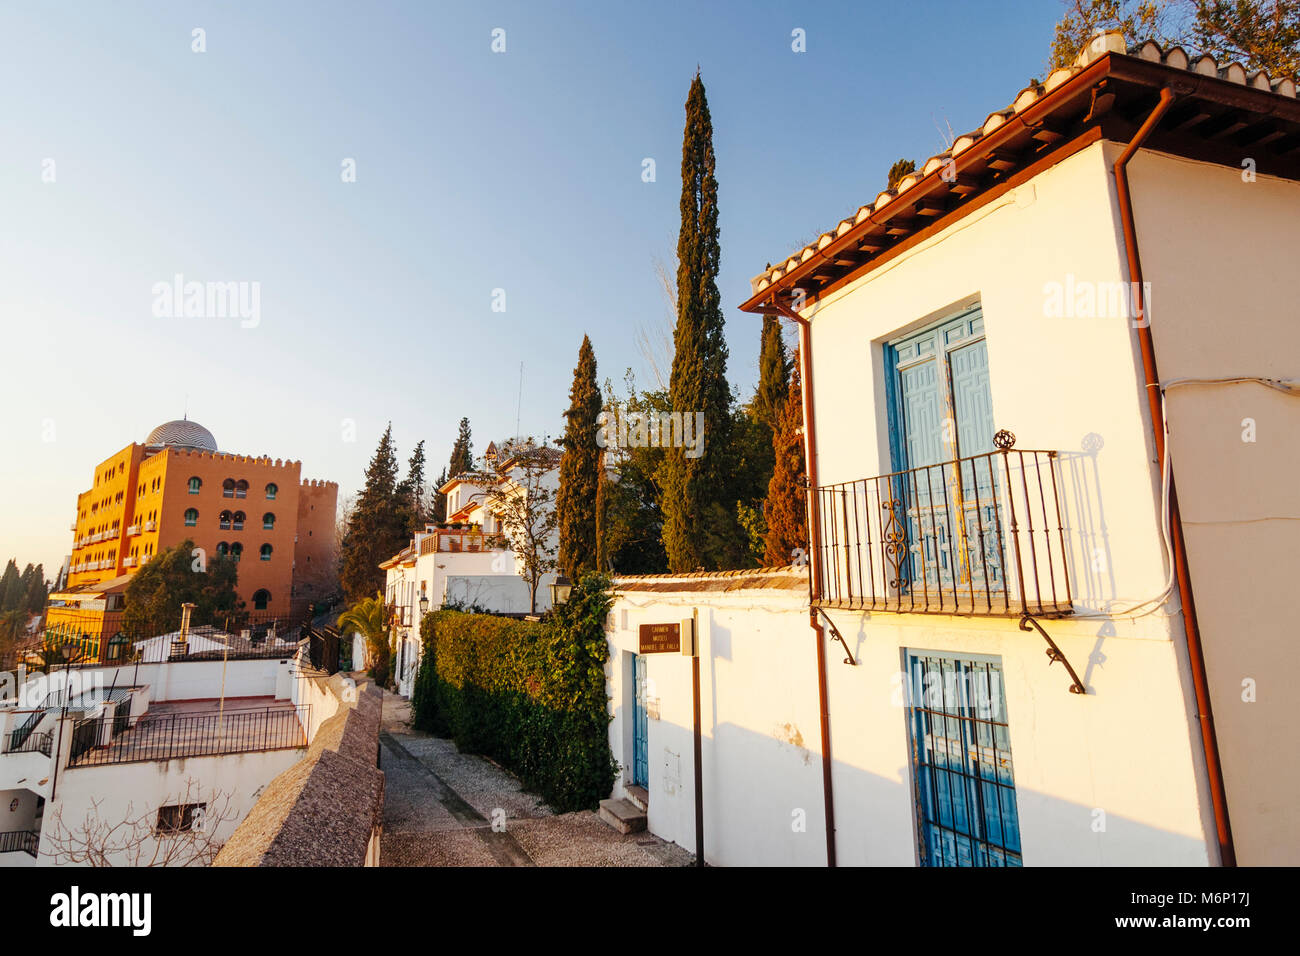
<point>815,569</point>
<point>1155,401</point>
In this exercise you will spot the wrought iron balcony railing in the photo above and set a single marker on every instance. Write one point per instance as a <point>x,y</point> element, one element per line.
<point>976,536</point>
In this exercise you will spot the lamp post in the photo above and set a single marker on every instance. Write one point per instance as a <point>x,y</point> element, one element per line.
<point>560,589</point>
<point>424,605</point>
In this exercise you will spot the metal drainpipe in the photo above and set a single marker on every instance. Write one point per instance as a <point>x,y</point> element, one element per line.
<point>814,522</point>
<point>1155,400</point>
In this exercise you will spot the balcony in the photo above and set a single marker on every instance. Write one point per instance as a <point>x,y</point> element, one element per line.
<point>128,562</point>
<point>132,530</point>
<point>455,540</point>
<point>20,841</point>
<point>97,536</point>
<point>976,536</point>
<point>150,525</point>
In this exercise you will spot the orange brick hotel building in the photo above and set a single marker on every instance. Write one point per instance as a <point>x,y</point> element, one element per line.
<point>177,485</point>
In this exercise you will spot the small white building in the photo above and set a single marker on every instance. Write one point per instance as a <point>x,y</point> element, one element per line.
<point>148,763</point>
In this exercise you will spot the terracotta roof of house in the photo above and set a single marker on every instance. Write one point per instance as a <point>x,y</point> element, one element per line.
<point>1221,102</point>
<point>788,578</point>
<point>324,809</point>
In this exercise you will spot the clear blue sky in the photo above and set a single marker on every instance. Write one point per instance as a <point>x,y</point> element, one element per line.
<point>475,171</point>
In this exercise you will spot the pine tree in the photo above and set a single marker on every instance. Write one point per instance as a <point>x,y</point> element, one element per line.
<point>462,453</point>
<point>897,172</point>
<point>411,490</point>
<point>378,527</point>
<point>580,470</point>
<point>700,521</point>
<point>10,587</point>
<point>787,503</point>
<point>38,592</point>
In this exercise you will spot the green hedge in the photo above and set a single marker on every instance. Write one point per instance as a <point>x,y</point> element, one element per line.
<point>530,695</point>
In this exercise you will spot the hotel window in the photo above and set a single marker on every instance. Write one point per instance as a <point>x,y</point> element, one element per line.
<point>241,489</point>
<point>268,522</point>
<point>191,517</point>
<point>271,491</point>
<point>266,552</point>
<point>238,521</point>
<point>236,550</point>
<point>223,521</point>
<point>228,488</point>
<point>223,549</point>
<point>195,485</point>
<point>961,761</point>
<point>261,597</point>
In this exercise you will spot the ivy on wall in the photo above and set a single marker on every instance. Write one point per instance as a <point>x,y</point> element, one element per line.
<point>530,695</point>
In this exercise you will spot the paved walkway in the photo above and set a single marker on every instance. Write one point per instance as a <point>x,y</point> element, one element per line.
<point>445,808</point>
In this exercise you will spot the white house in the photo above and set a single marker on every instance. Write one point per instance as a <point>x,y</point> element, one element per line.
<point>466,561</point>
<point>1040,633</point>
<point>148,763</point>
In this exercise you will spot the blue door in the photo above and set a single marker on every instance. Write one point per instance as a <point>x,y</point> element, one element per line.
<point>640,726</point>
<point>961,762</point>
<point>942,412</point>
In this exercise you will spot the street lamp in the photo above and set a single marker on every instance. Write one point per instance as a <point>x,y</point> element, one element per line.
<point>424,604</point>
<point>560,589</point>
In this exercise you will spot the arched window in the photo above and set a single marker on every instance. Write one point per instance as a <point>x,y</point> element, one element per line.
<point>266,552</point>
<point>191,517</point>
<point>261,598</point>
<point>241,488</point>
<point>228,488</point>
<point>236,550</point>
<point>223,521</point>
<point>223,549</point>
<point>195,484</point>
<point>271,491</point>
<point>238,520</point>
<point>268,522</point>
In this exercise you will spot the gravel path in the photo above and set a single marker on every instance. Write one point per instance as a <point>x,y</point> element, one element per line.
<point>445,808</point>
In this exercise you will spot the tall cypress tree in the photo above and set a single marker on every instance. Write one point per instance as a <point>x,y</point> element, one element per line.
<point>575,504</point>
<point>786,508</point>
<point>38,590</point>
<point>773,375</point>
<point>462,453</point>
<point>378,527</point>
<point>701,528</point>
<point>440,500</point>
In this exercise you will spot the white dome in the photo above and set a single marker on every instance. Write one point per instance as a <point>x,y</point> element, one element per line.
<point>182,433</point>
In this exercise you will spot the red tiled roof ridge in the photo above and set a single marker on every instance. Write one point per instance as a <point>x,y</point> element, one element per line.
<point>1106,43</point>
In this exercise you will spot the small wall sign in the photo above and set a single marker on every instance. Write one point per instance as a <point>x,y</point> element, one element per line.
<point>660,639</point>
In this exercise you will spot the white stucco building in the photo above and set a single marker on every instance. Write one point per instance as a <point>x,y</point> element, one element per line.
<point>992,356</point>
<point>149,762</point>
<point>467,561</point>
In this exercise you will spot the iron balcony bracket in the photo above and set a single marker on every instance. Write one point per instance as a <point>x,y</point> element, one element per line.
<point>835,631</point>
<point>1054,653</point>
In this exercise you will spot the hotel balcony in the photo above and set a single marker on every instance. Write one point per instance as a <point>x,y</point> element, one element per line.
<point>128,562</point>
<point>97,536</point>
<point>976,536</point>
<point>150,525</point>
<point>132,530</point>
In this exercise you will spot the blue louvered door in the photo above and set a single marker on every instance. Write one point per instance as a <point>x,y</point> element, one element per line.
<point>640,726</point>
<point>944,411</point>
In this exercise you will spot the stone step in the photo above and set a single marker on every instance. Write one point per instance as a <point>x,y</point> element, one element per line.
<point>639,796</point>
<point>623,815</point>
